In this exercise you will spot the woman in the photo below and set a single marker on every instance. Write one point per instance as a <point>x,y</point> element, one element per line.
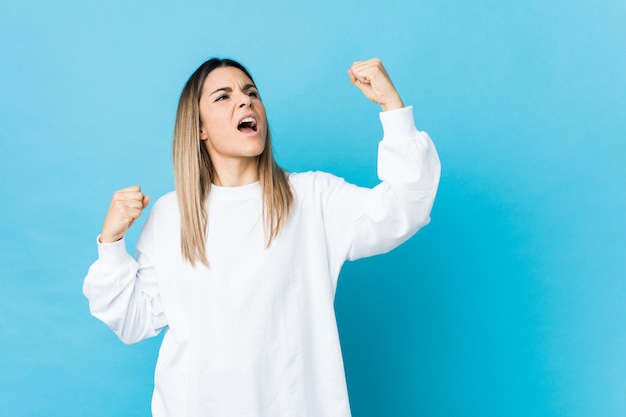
<point>241,262</point>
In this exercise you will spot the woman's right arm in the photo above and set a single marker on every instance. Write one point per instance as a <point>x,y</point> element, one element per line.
<point>123,292</point>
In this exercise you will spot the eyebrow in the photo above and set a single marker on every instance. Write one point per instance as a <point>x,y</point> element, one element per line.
<point>229,90</point>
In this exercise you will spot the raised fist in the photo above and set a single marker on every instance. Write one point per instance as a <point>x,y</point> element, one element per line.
<point>126,207</point>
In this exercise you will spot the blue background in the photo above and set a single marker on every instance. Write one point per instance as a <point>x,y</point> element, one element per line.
<point>512,302</point>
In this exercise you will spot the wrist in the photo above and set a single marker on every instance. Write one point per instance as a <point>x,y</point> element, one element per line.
<point>392,105</point>
<point>109,239</point>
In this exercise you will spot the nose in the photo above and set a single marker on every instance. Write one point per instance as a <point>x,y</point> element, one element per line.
<point>245,101</point>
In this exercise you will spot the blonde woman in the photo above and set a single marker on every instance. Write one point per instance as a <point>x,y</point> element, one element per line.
<point>240,263</point>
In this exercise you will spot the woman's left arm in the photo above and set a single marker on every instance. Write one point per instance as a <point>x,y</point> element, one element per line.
<point>400,205</point>
<point>366,222</point>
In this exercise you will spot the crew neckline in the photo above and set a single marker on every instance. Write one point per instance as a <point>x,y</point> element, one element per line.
<point>242,192</point>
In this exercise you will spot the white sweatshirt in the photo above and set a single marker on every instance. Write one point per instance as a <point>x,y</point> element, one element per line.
<point>254,334</point>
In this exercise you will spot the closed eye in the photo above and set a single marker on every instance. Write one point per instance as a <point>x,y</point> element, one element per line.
<point>222,97</point>
<point>253,94</point>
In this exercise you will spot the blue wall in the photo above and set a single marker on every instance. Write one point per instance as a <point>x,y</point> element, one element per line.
<point>512,302</point>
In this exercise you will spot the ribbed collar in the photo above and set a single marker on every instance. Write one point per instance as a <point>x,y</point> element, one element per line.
<point>244,192</point>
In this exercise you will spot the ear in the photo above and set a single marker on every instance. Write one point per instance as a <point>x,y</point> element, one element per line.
<point>203,135</point>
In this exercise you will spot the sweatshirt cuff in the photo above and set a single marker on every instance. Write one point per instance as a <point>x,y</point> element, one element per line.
<point>113,254</point>
<point>398,123</point>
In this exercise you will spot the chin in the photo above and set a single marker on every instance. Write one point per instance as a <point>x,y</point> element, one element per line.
<point>256,149</point>
<point>258,152</point>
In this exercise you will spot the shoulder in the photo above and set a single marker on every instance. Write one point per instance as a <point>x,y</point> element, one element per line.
<point>313,181</point>
<point>164,215</point>
<point>162,226</point>
<point>318,186</point>
<point>166,203</point>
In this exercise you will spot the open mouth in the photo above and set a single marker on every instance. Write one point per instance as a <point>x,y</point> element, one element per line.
<point>247,125</point>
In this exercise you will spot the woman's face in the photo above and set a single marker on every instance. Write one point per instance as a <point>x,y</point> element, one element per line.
<point>233,123</point>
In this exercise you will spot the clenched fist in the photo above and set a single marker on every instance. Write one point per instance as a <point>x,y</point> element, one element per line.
<point>371,78</point>
<point>126,207</point>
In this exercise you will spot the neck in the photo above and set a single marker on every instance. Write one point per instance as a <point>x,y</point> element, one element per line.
<point>235,172</point>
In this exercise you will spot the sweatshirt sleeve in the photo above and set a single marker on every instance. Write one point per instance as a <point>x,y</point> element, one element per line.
<point>363,222</point>
<point>123,292</point>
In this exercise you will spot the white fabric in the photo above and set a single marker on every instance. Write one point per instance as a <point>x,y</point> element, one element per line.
<point>254,334</point>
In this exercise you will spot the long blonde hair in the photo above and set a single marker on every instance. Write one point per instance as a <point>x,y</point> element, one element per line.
<point>193,171</point>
